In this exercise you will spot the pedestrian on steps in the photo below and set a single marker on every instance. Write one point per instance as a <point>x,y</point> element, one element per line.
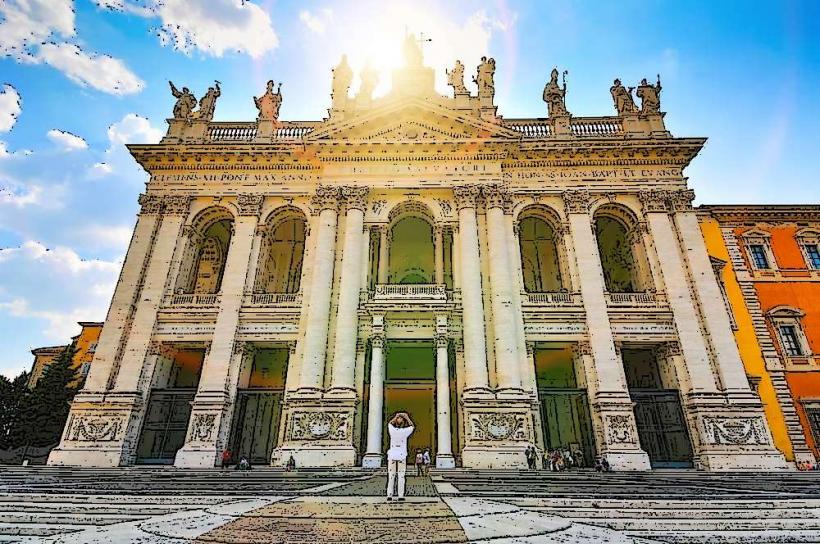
<point>419,463</point>
<point>400,427</point>
<point>427,460</point>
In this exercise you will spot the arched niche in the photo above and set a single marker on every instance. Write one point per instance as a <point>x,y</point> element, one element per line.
<point>622,251</point>
<point>281,257</point>
<point>203,262</point>
<point>540,248</point>
<point>411,257</point>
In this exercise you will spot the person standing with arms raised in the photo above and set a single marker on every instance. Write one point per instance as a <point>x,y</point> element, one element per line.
<point>400,427</point>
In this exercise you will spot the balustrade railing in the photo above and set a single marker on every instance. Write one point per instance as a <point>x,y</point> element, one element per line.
<point>647,298</point>
<point>533,129</point>
<point>194,299</point>
<point>384,291</point>
<point>276,299</point>
<point>232,132</point>
<point>292,132</point>
<point>602,126</point>
<point>556,298</point>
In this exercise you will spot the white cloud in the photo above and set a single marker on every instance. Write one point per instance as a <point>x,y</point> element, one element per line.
<point>66,140</point>
<point>100,169</point>
<point>133,129</point>
<point>60,259</point>
<point>60,326</point>
<point>109,236</point>
<point>126,7</point>
<point>10,107</point>
<point>100,72</point>
<point>26,23</point>
<point>316,23</point>
<point>216,26</point>
<point>20,197</point>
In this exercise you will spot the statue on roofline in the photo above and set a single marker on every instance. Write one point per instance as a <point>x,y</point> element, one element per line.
<point>370,78</point>
<point>485,78</point>
<point>624,103</point>
<point>342,76</point>
<point>413,56</point>
<point>650,96</point>
<point>455,78</point>
<point>207,104</point>
<point>555,95</point>
<point>269,103</point>
<point>186,102</point>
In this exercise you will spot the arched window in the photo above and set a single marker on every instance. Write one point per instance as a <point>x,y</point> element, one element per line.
<point>411,259</point>
<point>281,271</point>
<point>539,256</point>
<point>203,263</point>
<point>209,266</point>
<point>616,255</point>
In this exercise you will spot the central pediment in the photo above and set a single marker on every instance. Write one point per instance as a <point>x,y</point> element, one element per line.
<point>410,120</point>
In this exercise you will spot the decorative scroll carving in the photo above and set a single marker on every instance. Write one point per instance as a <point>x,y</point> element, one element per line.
<point>497,197</point>
<point>249,204</point>
<point>320,426</point>
<point>619,429</point>
<point>502,426</point>
<point>95,428</point>
<point>466,195</point>
<point>150,204</point>
<point>176,204</point>
<point>682,200</point>
<point>650,96</point>
<point>737,431</point>
<point>203,427</point>
<point>654,200</point>
<point>356,197</point>
<point>326,198</point>
<point>576,201</point>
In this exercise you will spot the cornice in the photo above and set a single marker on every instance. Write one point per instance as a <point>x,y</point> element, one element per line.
<point>745,213</point>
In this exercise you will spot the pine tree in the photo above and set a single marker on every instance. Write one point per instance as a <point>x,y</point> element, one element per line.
<point>12,394</point>
<point>45,409</point>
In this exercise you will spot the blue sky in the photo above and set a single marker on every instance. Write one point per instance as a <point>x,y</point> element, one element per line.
<point>79,78</point>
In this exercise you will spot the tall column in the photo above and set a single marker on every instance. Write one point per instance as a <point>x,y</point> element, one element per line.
<point>384,242</point>
<point>318,318</point>
<point>527,369</point>
<point>183,257</point>
<point>252,279</point>
<point>438,232</point>
<point>444,450</point>
<point>505,331</point>
<point>365,266</point>
<point>375,408</point>
<point>611,403</point>
<point>475,347</point>
<point>294,374</point>
<point>212,401</point>
<point>347,315</point>
<point>715,317</point>
<point>687,323</point>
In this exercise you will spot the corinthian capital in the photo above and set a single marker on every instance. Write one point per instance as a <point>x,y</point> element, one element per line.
<point>466,195</point>
<point>682,200</point>
<point>150,204</point>
<point>497,197</point>
<point>175,204</point>
<point>356,197</point>
<point>576,201</point>
<point>654,200</point>
<point>326,198</point>
<point>249,204</point>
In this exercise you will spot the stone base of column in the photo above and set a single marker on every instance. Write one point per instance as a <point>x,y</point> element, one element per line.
<point>206,428</point>
<point>317,433</point>
<point>498,432</point>
<point>101,431</point>
<point>372,460</point>
<point>616,432</point>
<point>509,455</point>
<point>445,460</point>
<point>735,461</point>
<point>315,455</point>
<point>626,461</point>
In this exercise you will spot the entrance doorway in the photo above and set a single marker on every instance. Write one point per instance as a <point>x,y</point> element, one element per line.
<point>659,416</point>
<point>169,406</point>
<point>562,396</point>
<point>258,406</point>
<point>410,386</point>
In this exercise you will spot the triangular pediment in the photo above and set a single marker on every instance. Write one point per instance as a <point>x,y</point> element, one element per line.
<point>411,120</point>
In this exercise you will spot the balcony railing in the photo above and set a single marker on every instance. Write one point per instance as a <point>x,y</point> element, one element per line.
<point>553,299</point>
<point>425,291</point>
<point>231,132</point>
<point>533,129</point>
<point>647,298</point>
<point>596,127</point>
<point>276,299</point>
<point>194,299</point>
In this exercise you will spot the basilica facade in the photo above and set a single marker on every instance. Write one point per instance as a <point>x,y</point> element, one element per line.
<point>508,282</point>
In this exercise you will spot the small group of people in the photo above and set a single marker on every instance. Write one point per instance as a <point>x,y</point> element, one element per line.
<point>422,461</point>
<point>555,460</point>
<point>227,460</point>
<point>807,465</point>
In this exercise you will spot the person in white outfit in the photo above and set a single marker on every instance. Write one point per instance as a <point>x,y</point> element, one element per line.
<point>400,427</point>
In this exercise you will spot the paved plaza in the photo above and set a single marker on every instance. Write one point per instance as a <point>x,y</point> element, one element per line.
<point>168,506</point>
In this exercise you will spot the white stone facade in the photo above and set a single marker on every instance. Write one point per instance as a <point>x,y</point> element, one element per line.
<point>471,177</point>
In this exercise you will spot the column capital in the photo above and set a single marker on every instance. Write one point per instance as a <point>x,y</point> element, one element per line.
<point>530,347</point>
<point>582,348</point>
<point>241,347</point>
<point>654,200</point>
<point>150,204</point>
<point>261,230</point>
<point>670,349</point>
<point>176,204</point>
<point>377,340</point>
<point>576,201</point>
<point>355,197</point>
<point>441,339</point>
<point>327,197</point>
<point>497,196</point>
<point>249,204</point>
<point>682,200</point>
<point>466,195</point>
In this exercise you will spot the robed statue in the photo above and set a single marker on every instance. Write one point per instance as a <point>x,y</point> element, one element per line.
<point>650,96</point>
<point>455,78</point>
<point>555,95</point>
<point>186,102</point>
<point>484,78</point>
<point>370,78</point>
<point>342,76</point>
<point>622,98</point>
<point>269,103</point>
<point>412,52</point>
<point>207,104</point>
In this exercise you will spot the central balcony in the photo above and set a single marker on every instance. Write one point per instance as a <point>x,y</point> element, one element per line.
<point>424,293</point>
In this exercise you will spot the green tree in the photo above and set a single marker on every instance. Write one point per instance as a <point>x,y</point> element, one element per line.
<point>12,395</point>
<point>45,409</point>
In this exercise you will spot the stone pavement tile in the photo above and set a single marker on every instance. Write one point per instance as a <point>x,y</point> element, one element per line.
<point>339,520</point>
<point>467,506</point>
<point>511,524</point>
<point>417,486</point>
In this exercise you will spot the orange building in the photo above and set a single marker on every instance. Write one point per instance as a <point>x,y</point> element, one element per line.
<point>85,343</point>
<point>770,261</point>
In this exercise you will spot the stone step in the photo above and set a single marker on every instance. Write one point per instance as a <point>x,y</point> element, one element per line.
<point>38,529</point>
<point>69,507</point>
<point>809,536</point>
<point>693,524</point>
<point>75,518</point>
<point>644,504</point>
<point>672,513</point>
